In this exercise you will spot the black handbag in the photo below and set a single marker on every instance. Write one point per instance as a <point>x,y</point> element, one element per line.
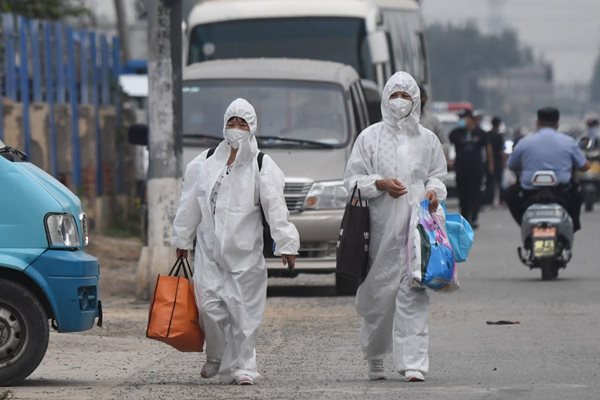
<point>352,254</point>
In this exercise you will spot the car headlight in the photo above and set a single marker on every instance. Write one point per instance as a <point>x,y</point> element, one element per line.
<point>62,231</point>
<point>326,196</point>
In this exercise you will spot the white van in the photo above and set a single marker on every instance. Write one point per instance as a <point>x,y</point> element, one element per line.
<point>375,37</point>
<point>309,115</point>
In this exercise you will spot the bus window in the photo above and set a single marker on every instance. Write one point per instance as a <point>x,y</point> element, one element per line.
<point>405,28</point>
<point>322,38</point>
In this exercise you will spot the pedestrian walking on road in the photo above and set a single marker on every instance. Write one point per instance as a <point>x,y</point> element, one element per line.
<point>395,163</point>
<point>495,164</point>
<point>471,150</point>
<point>223,193</point>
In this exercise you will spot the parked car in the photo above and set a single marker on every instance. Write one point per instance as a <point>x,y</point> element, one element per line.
<point>45,273</point>
<point>310,113</point>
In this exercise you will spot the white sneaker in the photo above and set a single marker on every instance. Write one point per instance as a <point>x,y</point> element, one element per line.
<point>244,379</point>
<point>414,376</point>
<point>210,369</point>
<point>376,369</point>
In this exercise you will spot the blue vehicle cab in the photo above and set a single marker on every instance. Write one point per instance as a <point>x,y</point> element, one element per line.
<point>45,274</point>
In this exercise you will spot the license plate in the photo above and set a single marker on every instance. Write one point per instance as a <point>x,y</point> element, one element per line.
<point>544,232</point>
<point>543,247</point>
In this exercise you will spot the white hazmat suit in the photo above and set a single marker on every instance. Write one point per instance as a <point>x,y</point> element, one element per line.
<point>230,275</point>
<point>394,315</point>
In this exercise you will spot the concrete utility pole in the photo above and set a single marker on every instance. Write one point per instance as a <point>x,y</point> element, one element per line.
<point>164,171</point>
<point>122,27</point>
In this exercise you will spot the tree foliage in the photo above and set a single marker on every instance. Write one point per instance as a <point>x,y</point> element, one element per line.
<point>595,83</point>
<point>460,52</point>
<point>45,9</point>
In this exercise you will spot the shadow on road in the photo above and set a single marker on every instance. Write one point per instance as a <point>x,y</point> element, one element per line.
<point>54,382</point>
<point>537,279</point>
<point>301,291</point>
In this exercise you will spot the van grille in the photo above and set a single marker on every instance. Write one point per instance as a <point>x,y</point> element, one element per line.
<point>295,192</point>
<point>323,250</point>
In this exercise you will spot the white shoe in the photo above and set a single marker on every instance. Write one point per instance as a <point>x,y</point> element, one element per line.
<point>414,376</point>
<point>376,369</point>
<point>244,379</point>
<point>210,369</point>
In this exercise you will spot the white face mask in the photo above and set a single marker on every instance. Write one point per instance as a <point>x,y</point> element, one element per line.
<point>235,137</point>
<point>401,107</point>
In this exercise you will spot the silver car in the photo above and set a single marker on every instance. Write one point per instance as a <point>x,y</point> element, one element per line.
<point>310,113</point>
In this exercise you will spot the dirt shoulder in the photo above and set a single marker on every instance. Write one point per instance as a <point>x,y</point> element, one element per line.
<point>118,258</point>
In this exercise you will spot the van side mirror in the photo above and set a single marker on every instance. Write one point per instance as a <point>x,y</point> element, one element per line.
<point>138,134</point>
<point>378,44</point>
<point>373,99</point>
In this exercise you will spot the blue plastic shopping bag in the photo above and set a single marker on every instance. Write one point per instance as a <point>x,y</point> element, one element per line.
<point>438,269</point>
<point>460,235</point>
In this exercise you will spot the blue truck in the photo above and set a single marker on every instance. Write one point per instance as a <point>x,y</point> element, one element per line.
<point>46,278</point>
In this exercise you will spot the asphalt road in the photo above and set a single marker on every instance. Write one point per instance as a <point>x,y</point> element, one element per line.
<point>308,348</point>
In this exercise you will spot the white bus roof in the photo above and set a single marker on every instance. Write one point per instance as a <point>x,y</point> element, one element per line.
<point>273,68</point>
<point>227,10</point>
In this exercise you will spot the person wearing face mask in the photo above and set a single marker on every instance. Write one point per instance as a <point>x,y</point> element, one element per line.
<point>396,164</point>
<point>221,201</point>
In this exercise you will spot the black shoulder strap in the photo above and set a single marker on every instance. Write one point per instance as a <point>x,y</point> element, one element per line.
<point>259,159</point>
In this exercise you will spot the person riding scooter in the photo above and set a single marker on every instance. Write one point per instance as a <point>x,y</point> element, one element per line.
<point>546,150</point>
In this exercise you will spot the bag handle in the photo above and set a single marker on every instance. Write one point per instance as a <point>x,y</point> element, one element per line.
<point>360,201</point>
<point>181,263</point>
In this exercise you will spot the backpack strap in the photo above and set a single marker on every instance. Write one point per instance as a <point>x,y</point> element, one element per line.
<point>259,159</point>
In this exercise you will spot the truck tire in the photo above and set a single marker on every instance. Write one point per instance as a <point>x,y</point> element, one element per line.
<point>23,332</point>
<point>549,269</point>
<point>346,286</point>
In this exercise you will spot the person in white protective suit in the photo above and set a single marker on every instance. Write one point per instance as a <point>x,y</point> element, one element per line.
<point>221,205</point>
<point>396,164</point>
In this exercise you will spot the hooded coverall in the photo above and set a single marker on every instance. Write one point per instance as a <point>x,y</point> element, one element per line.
<point>394,315</point>
<point>230,274</point>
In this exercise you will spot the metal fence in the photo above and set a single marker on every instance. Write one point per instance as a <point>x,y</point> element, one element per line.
<point>49,62</point>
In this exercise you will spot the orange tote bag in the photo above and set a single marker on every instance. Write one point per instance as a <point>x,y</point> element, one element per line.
<point>173,316</point>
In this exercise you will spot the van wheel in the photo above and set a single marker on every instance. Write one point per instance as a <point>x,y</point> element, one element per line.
<point>549,270</point>
<point>23,332</point>
<point>345,285</point>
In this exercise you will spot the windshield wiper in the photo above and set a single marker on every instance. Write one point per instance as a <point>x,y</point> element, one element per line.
<point>10,152</point>
<point>302,142</point>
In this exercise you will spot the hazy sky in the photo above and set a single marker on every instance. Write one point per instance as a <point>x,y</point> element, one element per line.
<point>565,32</point>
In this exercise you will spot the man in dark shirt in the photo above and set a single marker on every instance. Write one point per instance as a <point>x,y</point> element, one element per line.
<point>495,165</point>
<point>470,145</point>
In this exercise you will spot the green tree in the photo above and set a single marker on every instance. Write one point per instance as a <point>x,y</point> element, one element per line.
<point>45,9</point>
<point>595,83</point>
<point>458,53</point>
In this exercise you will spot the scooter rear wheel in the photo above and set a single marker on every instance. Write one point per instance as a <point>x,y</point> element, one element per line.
<point>549,269</point>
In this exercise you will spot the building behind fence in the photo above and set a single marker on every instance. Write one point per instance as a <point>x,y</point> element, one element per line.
<point>61,106</point>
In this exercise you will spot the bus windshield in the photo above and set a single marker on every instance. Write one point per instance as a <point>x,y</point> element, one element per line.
<point>320,38</point>
<point>290,113</point>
